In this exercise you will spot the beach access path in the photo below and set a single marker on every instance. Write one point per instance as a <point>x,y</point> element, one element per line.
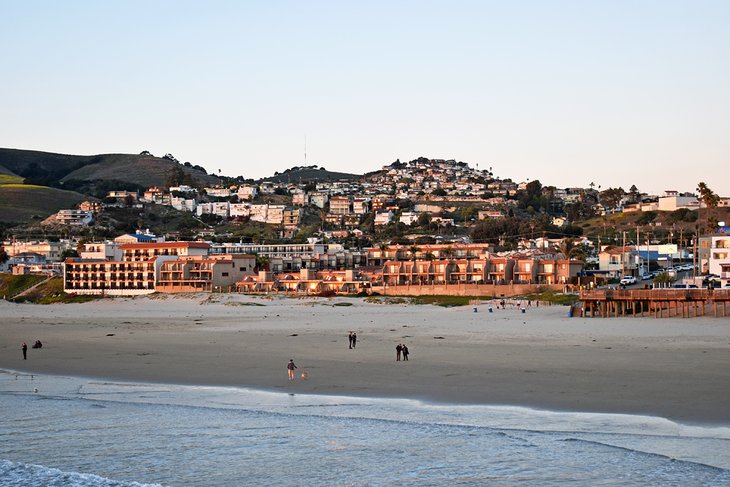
<point>674,368</point>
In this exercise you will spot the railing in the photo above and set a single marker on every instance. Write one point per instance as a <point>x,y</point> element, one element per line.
<point>656,294</point>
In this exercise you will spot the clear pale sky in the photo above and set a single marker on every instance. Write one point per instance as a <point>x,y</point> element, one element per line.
<point>567,92</point>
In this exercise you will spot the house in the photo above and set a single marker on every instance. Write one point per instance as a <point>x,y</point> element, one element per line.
<point>92,206</point>
<point>383,217</point>
<point>408,217</point>
<point>618,261</point>
<point>74,217</point>
<point>247,192</point>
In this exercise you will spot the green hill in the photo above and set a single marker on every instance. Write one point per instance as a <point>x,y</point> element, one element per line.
<point>21,203</point>
<point>50,169</point>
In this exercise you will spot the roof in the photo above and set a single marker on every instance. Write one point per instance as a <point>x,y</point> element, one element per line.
<point>165,245</point>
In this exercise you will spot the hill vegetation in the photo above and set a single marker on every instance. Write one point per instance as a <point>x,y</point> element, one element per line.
<point>298,174</point>
<point>81,172</point>
<point>21,203</point>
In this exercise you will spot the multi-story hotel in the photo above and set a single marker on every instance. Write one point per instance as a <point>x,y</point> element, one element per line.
<point>145,268</point>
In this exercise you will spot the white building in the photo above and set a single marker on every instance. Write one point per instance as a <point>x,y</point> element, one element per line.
<point>408,217</point>
<point>241,210</point>
<point>183,204</point>
<point>218,192</point>
<point>383,217</point>
<point>719,262</point>
<point>247,192</point>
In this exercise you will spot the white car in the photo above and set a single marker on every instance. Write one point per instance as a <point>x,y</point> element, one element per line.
<point>626,280</point>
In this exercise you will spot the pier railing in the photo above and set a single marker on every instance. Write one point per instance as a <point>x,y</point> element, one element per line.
<point>678,302</point>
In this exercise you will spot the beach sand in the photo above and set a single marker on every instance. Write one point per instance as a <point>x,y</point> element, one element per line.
<point>674,368</point>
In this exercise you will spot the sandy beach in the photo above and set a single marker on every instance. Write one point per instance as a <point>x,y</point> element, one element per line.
<point>674,368</point>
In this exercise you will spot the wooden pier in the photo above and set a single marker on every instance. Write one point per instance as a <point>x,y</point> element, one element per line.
<point>660,303</point>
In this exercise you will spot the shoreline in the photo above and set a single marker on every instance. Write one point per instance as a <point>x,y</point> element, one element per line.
<point>670,368</point>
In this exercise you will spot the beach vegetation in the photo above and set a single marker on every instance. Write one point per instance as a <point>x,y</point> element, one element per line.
<point>552,297</point>
<point>49,292</point>
<point>11,285</point>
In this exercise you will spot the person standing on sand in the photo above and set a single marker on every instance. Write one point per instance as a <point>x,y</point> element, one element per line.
<point>354,339</point>
<point>349,339</point>
<point>398,350</point>
<point>405,352</point>
<point>290,368</point>
<point>24,348</point>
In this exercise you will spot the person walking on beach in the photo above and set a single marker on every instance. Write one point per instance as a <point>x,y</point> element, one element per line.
<point>24,348</point>
<point>349,339</point>
<point>290,368</point>
<point>354,339</point>
<point>398,350</point>
<point>405,352</point>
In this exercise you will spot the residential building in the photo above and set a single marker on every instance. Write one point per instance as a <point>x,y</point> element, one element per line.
<point>50,251</point>
<point>618,261</point>
<point>247,192</point>
<point>340,205</point>
<point>383,217</point>
<point>74,217</point>
<point>719,259</point>
<point>204,273</point>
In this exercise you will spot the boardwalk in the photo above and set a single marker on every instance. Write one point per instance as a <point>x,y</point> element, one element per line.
<point>660,303</point>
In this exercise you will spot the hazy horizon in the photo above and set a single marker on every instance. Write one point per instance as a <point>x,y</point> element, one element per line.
<point>566,92</point>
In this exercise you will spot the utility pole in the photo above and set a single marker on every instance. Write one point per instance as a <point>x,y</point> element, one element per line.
<point>623,256</point>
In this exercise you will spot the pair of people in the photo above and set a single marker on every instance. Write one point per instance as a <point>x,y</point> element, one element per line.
<point>352,338</point>
<point>401,349</point>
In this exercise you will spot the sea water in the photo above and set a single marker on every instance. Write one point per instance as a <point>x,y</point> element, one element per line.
<point>59,431</point>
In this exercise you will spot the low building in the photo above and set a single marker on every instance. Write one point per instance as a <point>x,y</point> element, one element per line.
<point>204,273</point>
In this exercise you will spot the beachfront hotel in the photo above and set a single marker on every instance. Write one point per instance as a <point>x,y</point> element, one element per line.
<point>144,268</point>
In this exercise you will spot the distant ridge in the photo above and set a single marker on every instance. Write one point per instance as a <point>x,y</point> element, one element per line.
<point>310,174</point>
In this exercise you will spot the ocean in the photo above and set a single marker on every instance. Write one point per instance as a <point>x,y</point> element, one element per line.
<point>61,431</point>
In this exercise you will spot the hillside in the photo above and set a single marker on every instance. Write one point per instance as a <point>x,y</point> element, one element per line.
<point>20,203</point>
<point>310,174</point>
<point>50,169</point>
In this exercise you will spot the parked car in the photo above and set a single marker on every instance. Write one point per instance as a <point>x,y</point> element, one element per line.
<point>626,280</point>
<point>647,276</point>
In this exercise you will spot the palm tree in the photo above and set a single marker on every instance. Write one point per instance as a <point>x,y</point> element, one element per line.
<point>262,263</point>
<point>710,199</point>
<point>570,250</point>
<point>413,250</point>
<point>448,252</point>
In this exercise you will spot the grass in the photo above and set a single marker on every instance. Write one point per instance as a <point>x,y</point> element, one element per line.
<point>11,285</point>
<point>47,293</point>
<point>444,301</point>
<point>552,297</point>
<point>10,179</point>
<point>21,202</point>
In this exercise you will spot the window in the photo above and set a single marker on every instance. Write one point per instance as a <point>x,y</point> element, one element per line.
<point>224,274</point>
<point>242,269</point>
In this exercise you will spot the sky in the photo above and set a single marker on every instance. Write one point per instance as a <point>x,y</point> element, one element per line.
<point>615,93</point>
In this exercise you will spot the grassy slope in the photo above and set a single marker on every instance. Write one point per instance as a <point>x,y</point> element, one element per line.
<point>11,285</point>
<point>20,203</point>
<point>133,168</point>
<point>143,170</point>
